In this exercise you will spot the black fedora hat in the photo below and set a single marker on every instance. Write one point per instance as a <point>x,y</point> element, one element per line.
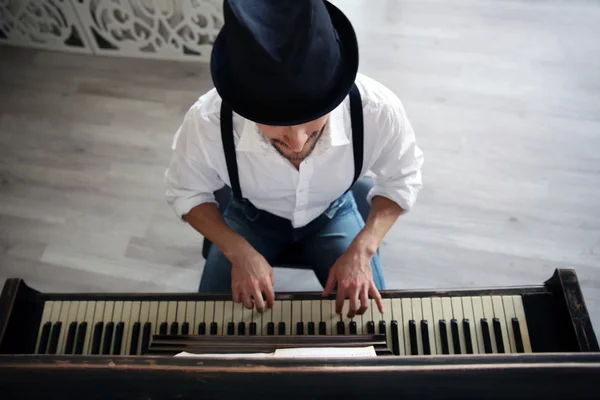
<point>284,62</point>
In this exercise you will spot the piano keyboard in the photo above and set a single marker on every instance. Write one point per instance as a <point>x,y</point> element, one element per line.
<point>413,326</point>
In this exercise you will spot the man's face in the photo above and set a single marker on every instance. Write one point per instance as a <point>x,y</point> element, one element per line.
<point>295,142</point>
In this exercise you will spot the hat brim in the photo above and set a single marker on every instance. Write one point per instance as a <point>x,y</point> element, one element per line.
<point>230,88</point>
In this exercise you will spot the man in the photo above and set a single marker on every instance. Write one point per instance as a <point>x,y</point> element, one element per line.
<point>289,126</point>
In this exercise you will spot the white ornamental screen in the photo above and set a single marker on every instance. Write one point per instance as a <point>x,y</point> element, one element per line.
<point>174,30</point>
<point>46,24</point>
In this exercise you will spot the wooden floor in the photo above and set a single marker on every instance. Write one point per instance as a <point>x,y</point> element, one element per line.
<point>504,97</point>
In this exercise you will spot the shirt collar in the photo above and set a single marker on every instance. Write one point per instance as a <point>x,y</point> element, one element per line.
<point>252,140</point>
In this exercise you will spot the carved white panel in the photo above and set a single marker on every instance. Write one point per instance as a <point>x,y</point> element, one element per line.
<point>175,30</point>
<point>47,24</point>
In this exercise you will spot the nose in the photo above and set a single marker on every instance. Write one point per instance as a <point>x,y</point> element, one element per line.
<point>296,140</point>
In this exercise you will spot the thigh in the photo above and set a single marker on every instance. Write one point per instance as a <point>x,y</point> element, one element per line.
<point>333,235</point>
<point>216,276</point>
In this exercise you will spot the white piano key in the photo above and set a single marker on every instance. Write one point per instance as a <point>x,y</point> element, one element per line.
<point>71,317</point>
<point>190,313</point>
<point>467,305</point>
<point>457,312</point>
<point>134,316</point>
<point>227,316</point>
<point>344,317</point>
<point>63,317</point>
<point>327,316</point>
<point>218,318</point>
<point>399,318</point>
<point>296,316</point>
<point>286,315</point>
<point>181,314</point>
<point>199,317</point>
<point>488,313</point>
<point>509,313</point>
<point>209,315</point>
<point>520,314</point>
<point>153,318</point>
<point>448,315</point>
<point>387,317</point>
<point>163,310</point>
<point>266,319</point>
<point>126,318</point>
<point>306,314</point>
<point>406,317</point>
<point>438,314</point>
<point>171,315</point>
<point>377,317</point>
<point>108,312</point>
<point>46,317</point>
<point>428,316</point>
<point>417,315</point>
<point>499,313</point>
<point>116,318</point>
<point>247,319</point>
<point>367,317</point>
<point>277,316</point>
<point>90,311</point>
<point>143,318</point>
<point>315,313</point>
<point>477,315</point>
<point>98,317</point>
<point>335,318</point>
<point>257,320</point>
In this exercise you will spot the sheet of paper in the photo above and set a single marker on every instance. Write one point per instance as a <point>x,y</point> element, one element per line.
<point>230,355</point>
<point>326,352</point>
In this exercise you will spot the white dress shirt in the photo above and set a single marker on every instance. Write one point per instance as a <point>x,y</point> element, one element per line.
<point>272,183</point>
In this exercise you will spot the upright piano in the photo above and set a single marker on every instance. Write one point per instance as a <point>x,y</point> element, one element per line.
<point>524,342</point>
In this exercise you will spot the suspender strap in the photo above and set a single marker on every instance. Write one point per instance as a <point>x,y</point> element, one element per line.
<point>229,149</point>
<point>356,117</point>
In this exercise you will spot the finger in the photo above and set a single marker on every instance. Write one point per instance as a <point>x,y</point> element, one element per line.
<point>375,294</point>
<point>270,294</point>
<point>272,277</point>
<point>236,296</point>
<point>259,302</point>
<point>339,300</point>
<point>330,283</point>
<point>247,300</point>
<point>353,304</point>
<point>364,301</point>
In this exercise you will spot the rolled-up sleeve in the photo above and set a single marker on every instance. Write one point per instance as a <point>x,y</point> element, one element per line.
<point>397,169</point>
<point>190,179</point>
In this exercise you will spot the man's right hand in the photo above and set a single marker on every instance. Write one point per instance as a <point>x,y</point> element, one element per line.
<point>251,277</point>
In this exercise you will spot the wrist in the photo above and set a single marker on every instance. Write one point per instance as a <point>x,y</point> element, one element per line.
<point>365,244</point>
<point>236,248</point>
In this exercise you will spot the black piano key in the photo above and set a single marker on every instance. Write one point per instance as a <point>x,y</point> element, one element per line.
<point>135,338</point>
<point>252,330</point>
<point>118,338</point>
<point>97,338</point>
<point>146,335</point>
<point>487,339</point>
<point>54,335</point>
<point>395,343</point>
<point>202,328</point>
<point>412,332</point>
<point>455,336</point>
<point>371,328</point>
<point>108,334</point>
<point>299,328</point>
<point>353,329</point>
<point>425,337</point>
<point>71,332</point>
<point>231,328</point>
<point>444,337</point>
<point>518,337</point>
<point>498,333</point>
<point>311,328</point>
<point>341,328</point>
<point>214,327</point>
<point>45,338</point>
<point>271,329</point>
<point>468,340</point>
<point>163,328</point>
<point>241,328</point>
<point>322,328</point>
<point>281,328</point>
<point>185,328</point>
<point>174,328</point>
<point>382,327</point>
<point>81,331</point>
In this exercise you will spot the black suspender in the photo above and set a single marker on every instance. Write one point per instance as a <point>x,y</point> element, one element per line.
<point>356,117</point>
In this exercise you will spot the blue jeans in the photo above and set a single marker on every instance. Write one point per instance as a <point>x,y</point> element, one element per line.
<point>321,242</point>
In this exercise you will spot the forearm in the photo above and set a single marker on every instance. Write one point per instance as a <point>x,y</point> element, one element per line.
<point>384,213</point>
<point>208,221</point>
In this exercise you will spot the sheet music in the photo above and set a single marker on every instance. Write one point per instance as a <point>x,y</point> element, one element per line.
<point>301,352</point>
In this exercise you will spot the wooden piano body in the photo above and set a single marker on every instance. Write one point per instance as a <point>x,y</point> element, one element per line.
<point>528,342</point>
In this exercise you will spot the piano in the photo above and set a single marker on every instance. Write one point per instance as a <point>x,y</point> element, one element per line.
<point>532,341</point>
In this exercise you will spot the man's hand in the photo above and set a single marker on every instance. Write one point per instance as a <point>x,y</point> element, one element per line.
<point>353,273</point>
<point>251,277</point>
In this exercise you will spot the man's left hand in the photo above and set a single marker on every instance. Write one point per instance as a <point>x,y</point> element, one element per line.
<point>354,276</point>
